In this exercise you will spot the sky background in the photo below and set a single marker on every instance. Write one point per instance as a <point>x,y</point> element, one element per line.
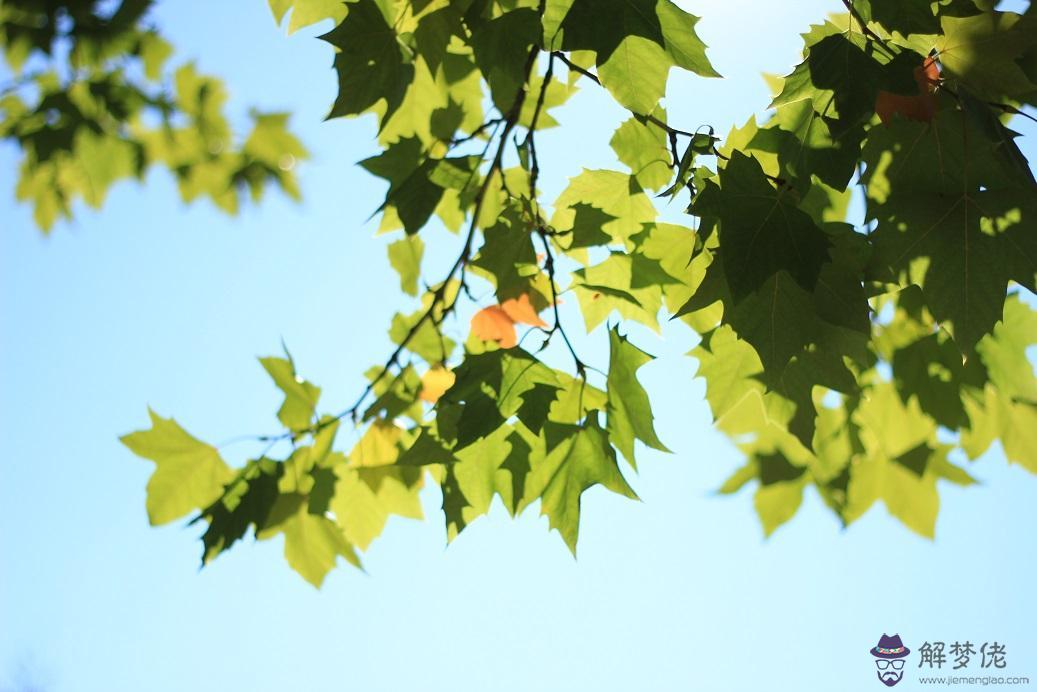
<point>153,303</point>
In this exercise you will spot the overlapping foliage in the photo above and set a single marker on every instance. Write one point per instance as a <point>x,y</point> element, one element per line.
<point>860,360</point>
<point>92,103</point>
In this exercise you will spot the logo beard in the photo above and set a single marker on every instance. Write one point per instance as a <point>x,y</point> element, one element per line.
<point>890,678</point>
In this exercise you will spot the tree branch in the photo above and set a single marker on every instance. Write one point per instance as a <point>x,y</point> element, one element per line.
<point>549,265</point>
<point>439,297</point>
<point>530,140</point>
<point>863,24</point>
<point>594,78</point>
<point>491,123</point>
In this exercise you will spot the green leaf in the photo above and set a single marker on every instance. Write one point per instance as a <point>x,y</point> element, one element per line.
<point>984,52</point>
<point>833,355</point>
<point>370,63</point>
<point>991,417</point>
<point>556,94</point>
<point>476,470</point>
<point>739,479</point>
<point>629,410</point>
<point>644,148</point>
<point>838,69</point>
<point>778,320</point>
<point>912,500</point>
<point>501,47</point>
<point>189,474</point>
<point>307,12</point>
<point>839,294</point>
<point>246,501</point>
<point>586,228</point>
<point>808,143</point>
<point>498,380</point>
<point>575,458</point>
<point>312,543</point>
<point>506,254</point>
<point>496,465</point>
<point>433,34</point>
<point>365,498</point>
<point>776,503</point>
<point>554,14</point>
<point>275,150</point>
<point>896,15</point>
<point>405,257</point>
<point>575,400</point>
<point>413,193</point>
<point>943,468</point>
<point>891,429</point>
<point>455,505</point>
<point>962,269</point>
<point>931,370</point>
<point>636,41</point>
<point>300,396</point>
<point>729,365</point>
<point>607,286</point>
<point>671,246</point>
<point>957,233</point>
<point>617,195</point>
<point>762,231</point>
<point>1004,352</point>
<point>427,342</point>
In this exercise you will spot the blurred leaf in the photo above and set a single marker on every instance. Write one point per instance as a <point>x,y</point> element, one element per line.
<point>188,473</point>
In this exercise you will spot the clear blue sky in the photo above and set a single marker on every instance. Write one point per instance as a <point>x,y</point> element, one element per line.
<point>149,302</point>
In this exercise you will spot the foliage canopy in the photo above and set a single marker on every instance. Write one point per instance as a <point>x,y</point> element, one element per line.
<point>856,359</point>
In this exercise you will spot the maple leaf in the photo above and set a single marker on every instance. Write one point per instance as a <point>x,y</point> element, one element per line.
<point>188,473</point>
<point>521,311</point>
<point>851,359</point>
<point>574,459</point>
<point>493,324</point>
<point>435,382</point>
<point>920,107</point>
<point>497,322</point>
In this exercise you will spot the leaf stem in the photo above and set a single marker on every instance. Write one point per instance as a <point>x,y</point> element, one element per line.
<point>549,265</point>
<point>439,296</point>
<point>530,139</point>
<point>489,124</point>
<point>594,78</point>
<point>865,29</point>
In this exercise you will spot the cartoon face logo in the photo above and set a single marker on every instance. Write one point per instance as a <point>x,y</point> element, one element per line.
<point>889,659</point>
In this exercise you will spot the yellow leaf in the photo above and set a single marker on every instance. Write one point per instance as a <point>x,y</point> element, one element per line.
<point>435,382</point>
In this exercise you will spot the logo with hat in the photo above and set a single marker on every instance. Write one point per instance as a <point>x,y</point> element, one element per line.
<point>889,659</point>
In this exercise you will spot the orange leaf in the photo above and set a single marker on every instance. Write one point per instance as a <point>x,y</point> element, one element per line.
<point>435,382</point>
<point>921,107</point>
<point>927,76</point>
<point>521,310</point>
<point>493,324</point>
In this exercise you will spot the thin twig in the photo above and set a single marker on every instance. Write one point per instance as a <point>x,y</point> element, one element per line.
<point>549,265</point>
<point>1005,107</point>
<point>1008,108</point>
<point>439,298</point>
<point>530,140</point>
<point>491,123</point>
<point>594,78</point>
<point>865,29</point>
<point>673,151</point>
